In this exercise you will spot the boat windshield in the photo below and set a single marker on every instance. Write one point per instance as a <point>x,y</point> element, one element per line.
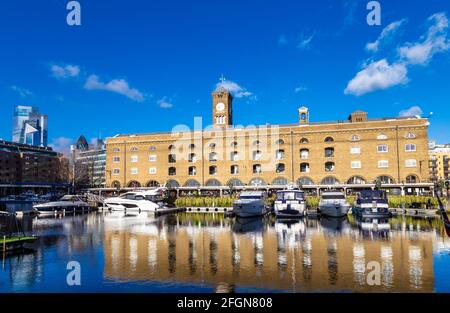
<point>372,195</point>
<point>333,197</point>
<point>69,198</point>
<point>290,195</point>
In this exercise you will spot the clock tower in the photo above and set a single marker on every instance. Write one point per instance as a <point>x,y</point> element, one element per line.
<point>222,108</point>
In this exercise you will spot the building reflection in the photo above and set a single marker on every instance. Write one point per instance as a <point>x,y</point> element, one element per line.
<point>302,256</point>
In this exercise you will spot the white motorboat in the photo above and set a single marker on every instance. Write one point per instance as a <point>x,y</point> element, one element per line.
<point>333,204</point>
<point>290,203</point>
<point>251,203</point>
<point>372,203</point>
<point>68,203</point>
<point>139,200</point>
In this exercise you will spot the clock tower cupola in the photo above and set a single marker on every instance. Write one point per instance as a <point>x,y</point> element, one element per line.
<point>222,106</point>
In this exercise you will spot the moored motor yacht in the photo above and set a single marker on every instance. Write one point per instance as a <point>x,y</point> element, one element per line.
<point>251,203</point>
<point>68,203</point>
<point>333,204</point>
<point>139,200</point>
<point>371,203</point>
<point>290,203</point>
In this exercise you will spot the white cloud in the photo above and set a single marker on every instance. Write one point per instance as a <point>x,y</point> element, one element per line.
<point>119,86</point>
<point>65,71</point>
<point>412,111</point>
<point>377,76</point>
<point>387,33</point>
<point>236,90</point>
<point>62,145</point>
<point>283,41</point>
<point>165,103</point>
<point>434,41</point>
<point>305,41</point>
<point>300,89</point>
<point>23,92</point>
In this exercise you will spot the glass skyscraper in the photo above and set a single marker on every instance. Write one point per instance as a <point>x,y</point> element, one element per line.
<point>29,126</point>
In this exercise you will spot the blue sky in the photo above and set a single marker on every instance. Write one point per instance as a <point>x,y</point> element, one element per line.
<point>141,66</point>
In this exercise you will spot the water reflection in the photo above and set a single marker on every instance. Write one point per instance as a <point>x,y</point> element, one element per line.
<point>230,254</point>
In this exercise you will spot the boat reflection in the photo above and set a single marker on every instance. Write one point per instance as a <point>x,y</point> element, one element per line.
<point>246,225</point>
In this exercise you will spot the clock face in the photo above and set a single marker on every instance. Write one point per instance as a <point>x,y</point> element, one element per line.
<point>220,106</point>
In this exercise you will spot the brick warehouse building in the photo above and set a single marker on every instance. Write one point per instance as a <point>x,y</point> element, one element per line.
<point>30,167</point>
<point>356,150</point>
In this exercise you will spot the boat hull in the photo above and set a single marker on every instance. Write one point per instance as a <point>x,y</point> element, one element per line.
<point>287,211</point>
<point>334,210</point>
<point>250,209</point>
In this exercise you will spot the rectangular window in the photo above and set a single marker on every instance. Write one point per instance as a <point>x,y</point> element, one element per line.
<point>356,164</point>
<point>411,163</point>
<point>152,158</point>
<point>410,147</point>
<point>116,171</point>
<point>134,159</point>
<point>152,170</point>
<point>382,148</point>
<point>355,150</point>
<point>134,171</point>
<point>383,164</point>
<point>116,159</point>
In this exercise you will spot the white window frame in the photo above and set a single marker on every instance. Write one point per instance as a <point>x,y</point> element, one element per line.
<point>134,159</point>
<point>116,159</point>
<point>380,162</point>
<point>134,171</point>
<point>152,158</point>
<point>378,148</point>
<point>358,150</point>
<point>152,170</point>
<point>352,163</point>
<point>411,163</point>
<point>412,145</point>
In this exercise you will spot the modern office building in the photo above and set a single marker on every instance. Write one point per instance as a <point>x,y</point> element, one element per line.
<point>31,167</point>
<point>355,150</point>
<point>90,162</point>
<point>439,161</point>
<point>29,126</point>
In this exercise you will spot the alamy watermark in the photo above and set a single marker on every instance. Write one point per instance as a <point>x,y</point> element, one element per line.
<point>74,16</point>
<point>73,277</point>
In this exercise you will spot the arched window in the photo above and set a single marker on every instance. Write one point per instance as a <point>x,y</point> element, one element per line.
<point>356,180</point>
<point>384,179</point>
<point>134,149</point>
<point>212,157</point>
<point>235,182</point>
<point>152,148</point>
<point>382,137</point>
<point>329,139</point>
<point>172,183</point>
<point>192,158</point>
<point>257,155</point>
<point>256,143</point>
<point>234,169</point>
<point>304,181</point>
<point>330,180</point>
<point>172,158</point>
<point>213,170</point>
<point>191,146</point>
<point>411,179</point>
<point>172,171</point>
<point>212,145</point>
<point>192,171</point>
<point>304,140</point>
<point>116,150</point>
<point>304,168</point>
<point>329,152</point>
<point>257,182</point>
<point>213,182</point>
<point>191,183</point>
<point>234,156</point>
<point>153,183</point>
<point>172,147</point>
<point>329,166</point>
<point>257,168</point>
<point>134,184</point>
<point>355,138</point>
<point>115,184</point>
<point>279,154</point>
<point>304,154</point>
<point>410,135</point>
<point>279,142</point>
<point>280,168</point>
<point>280,181</point>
